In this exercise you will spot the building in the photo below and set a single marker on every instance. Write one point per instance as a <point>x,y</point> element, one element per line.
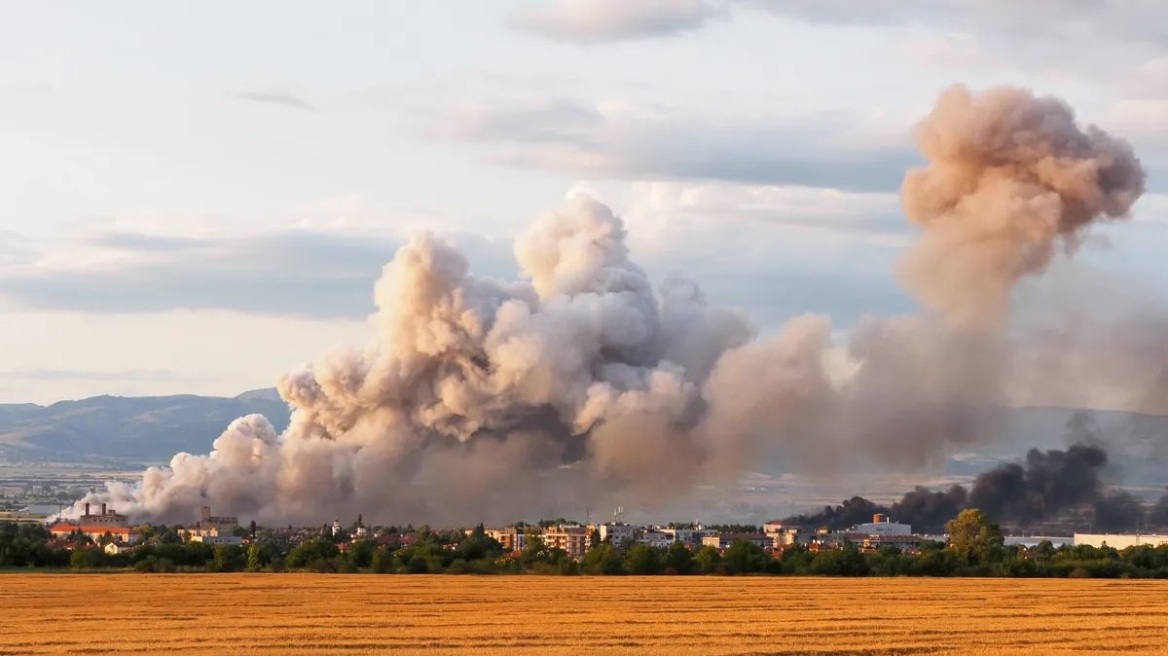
<point>902,542</point>
<point>881,525</point>
<point>96,527</point>
<point>619,535</point>
<point>115,548</point>
<point>233,540</point>
<point>655,538</point>
<point>724,540</point>
<point>1119,540</point>
<point>225,524</point>
<point>691,535</point>
<point>786,537</point>
<point>1029,541</point>
<point>511,538</point>
<point>572,538</point>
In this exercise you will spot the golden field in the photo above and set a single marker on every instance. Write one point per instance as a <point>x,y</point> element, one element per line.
<point>527,615</point>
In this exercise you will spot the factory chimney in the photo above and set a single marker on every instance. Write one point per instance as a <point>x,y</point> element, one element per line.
<point>103,510</point>
<point>87,510</point>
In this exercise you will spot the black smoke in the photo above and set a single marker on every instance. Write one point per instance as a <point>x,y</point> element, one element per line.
<point>927,510</point>
<point>1048,483</point>
<point>1045,486</point>
<point>1118,511</point>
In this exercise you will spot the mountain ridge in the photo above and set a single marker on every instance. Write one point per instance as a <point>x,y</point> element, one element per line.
<point>151,429</point>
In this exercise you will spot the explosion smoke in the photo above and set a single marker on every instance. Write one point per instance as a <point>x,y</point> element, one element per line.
<point>484,399</point>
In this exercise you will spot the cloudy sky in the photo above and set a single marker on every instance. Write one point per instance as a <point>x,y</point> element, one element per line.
<point>198,196</point>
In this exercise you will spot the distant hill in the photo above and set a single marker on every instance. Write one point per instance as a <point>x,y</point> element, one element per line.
<point>132,430</point>
<point>127,429</point>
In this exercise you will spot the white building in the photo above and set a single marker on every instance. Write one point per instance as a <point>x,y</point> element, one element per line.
<point>1119,541</point>
<point>881,525</point>
<point>618,534</point>
<point>115,548</point>
<point>655,538</point>
<point>688,535</point>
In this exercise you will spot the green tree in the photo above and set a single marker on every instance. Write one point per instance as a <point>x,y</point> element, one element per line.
<point>743,556</point>
<point>845,561</point>
<point>87,559</point>
<point>382,561</point>
<point>255,559</point>
<point>603,558</point>
<point>643,560</point>
<point>227,558</point>
<point>678,559</point>
<point>361,553</point>
<point>707,559</point>
<point>974,538</point>
<point>418,565</point>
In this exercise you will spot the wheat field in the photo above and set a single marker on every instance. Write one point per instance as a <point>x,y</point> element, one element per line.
<point>526,615</point>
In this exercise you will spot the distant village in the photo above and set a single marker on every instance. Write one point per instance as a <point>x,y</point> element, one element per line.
<point>105,529</point>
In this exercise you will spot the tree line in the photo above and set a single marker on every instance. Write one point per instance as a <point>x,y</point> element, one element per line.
<point>975,548</point>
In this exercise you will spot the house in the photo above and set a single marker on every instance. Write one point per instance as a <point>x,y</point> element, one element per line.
<point>115,548</point>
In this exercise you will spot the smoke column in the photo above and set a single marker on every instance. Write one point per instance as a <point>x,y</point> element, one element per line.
<point>487,399</point>
<point>1010,179</point>
<point>1037,489</point>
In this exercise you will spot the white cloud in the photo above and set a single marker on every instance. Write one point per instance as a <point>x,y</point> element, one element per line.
<point>630,141</point>
<point>591,21</point>
<point>295,272</point>
<point>74,354</point>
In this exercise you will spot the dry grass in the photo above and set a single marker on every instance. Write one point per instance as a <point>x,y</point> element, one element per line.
<point>520,615</point>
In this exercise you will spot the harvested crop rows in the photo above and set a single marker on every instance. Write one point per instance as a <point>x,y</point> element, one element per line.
<point>525,615</point>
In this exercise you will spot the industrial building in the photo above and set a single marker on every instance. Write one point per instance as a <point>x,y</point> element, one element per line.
<point>1120,541</point>
<point>881,525</point>
<point>96,527</point>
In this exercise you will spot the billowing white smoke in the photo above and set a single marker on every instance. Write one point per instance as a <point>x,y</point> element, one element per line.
<point>484,399</point>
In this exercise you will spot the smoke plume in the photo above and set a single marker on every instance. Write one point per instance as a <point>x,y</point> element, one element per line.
<point>1010,180</point>
<point>1043,487</point>
<point>487,399</point>
<point>1046,484</point>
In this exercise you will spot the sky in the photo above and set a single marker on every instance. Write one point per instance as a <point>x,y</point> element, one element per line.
<point>199,196</point>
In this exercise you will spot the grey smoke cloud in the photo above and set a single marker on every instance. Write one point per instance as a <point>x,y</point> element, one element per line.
<point>488,399</point>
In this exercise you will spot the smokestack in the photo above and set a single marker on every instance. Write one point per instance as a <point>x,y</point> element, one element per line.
<point>103,510</point>
<point>87,510</point>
